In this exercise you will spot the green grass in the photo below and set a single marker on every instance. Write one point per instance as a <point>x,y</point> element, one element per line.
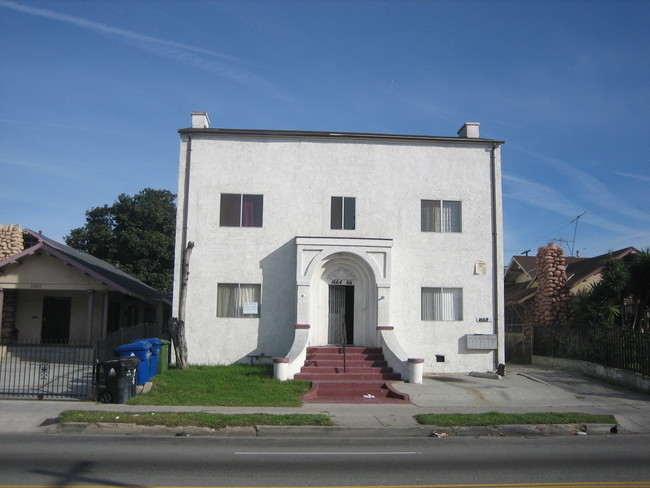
<point>232,386</point>
<point>193,419</point>
<point>498,418</point>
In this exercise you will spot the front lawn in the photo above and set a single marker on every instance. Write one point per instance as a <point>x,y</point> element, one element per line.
<point>231,386</point>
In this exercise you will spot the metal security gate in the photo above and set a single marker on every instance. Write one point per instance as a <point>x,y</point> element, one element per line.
<point>341,314</point>
<point>47,371</point>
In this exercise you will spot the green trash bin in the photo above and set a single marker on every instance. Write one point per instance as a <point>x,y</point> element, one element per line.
<point>163,356</point>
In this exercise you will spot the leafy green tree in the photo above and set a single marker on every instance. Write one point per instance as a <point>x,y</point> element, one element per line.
<point>135,233</point>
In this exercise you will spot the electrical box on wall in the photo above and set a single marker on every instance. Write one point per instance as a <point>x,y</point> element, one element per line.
<point>481,341</point>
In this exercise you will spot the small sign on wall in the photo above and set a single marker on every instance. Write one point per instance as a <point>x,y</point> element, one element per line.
<point>480,267</point>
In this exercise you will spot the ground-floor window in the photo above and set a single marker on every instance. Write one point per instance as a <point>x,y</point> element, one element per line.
<point>442,304</point>
<point>238,300</point>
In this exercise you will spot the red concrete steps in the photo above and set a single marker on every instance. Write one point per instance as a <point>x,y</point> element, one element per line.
<point>363,377</point>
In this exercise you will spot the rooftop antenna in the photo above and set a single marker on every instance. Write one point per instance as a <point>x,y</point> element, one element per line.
<point>525,253</point>
<point>575,230</point>
<point>559,239</point>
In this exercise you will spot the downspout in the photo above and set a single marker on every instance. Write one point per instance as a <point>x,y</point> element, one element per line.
<point>496,275</point>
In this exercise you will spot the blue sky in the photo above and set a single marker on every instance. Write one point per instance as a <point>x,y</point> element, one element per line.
<point>92,94</point>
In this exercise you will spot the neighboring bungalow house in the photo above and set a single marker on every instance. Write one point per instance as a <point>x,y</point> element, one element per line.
<point>313,238</point>
<point>52,293</point>
<point>521,284</point>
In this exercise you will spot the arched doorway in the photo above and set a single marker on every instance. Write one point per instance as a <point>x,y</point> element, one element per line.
<point>345,307</point>
<point>343,280</point>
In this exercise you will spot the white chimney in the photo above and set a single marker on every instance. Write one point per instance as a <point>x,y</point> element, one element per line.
<point>469,130</point>
<point>200,120</point>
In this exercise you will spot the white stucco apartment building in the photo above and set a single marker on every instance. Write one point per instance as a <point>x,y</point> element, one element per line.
<point>295,233</point>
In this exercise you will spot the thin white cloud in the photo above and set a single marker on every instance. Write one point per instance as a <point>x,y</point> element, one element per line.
<point>195,56</point>
<point>547,198</point>
<point>537,195</point>
<point>637,177</point>
<point>589,188</point>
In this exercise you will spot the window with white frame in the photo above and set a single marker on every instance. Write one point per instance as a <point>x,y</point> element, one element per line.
<point>241,210</point>
<point>343,213</point>
<point>444,304</point>
<point>441,216</point>
<point>238,300</point>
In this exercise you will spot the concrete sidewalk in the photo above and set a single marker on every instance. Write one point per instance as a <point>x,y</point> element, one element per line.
<point>522,389</point>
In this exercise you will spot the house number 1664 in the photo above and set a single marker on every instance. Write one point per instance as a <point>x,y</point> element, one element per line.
<point>341,282</point>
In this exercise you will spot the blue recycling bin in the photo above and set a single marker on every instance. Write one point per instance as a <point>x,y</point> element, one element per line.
<point>142,351</point>
<point>156,345</point>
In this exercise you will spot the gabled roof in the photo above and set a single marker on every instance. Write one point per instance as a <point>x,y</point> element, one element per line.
<point>521,264</point>
<point>88,264</point>
<point>581,269</point>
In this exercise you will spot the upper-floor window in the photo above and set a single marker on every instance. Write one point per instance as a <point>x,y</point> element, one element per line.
<point>343,213</point>
<point>239,210</point>
<point>441,216</point>
<point>442,304</point>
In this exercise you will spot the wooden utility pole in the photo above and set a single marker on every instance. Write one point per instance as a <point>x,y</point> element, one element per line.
<point>178,324</point>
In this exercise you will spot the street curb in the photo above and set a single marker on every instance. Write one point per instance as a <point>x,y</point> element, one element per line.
<point>336,432</point>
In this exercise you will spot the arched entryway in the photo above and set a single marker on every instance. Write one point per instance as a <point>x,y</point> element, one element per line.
<point>339,289</point>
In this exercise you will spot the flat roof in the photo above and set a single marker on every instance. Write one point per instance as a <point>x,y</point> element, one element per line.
<point>337,135</point>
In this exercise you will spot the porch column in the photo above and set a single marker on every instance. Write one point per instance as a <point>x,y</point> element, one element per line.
<point>2,302</point>
<point>89,318</point>
<point>104,316</point>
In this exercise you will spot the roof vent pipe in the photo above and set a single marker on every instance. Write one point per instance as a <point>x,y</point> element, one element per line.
<point>200,120</point>
<point>469,130</point>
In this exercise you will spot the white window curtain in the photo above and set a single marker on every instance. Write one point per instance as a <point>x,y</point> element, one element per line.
<point>249,294</point>
<point>227,300</point>
<point>430,215</point>
<point>442,304</point>
<point>451,217</point>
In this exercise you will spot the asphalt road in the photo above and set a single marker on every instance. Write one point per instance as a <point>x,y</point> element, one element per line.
<point>70,460</point>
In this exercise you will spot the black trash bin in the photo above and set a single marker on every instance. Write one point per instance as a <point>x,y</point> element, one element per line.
<point>116,379</point>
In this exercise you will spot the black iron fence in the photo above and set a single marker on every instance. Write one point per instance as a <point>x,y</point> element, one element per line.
<point>47,370</point>
<point>607,346</point>
<point>106,346</point>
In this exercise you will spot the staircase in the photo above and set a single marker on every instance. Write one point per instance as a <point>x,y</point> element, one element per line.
<point>365,377</point>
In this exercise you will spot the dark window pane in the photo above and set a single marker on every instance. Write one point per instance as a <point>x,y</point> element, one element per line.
<point>230,207</point>
<point>348,213</point>
<point>337,213</point>
<point>252,207</point>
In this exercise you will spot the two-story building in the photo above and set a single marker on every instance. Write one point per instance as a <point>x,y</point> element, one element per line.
<point>314,238</point>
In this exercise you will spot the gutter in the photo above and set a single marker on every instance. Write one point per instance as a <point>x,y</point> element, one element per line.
<point>337,135</point>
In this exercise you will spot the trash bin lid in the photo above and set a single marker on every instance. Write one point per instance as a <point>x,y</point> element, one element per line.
<point>154,341</point>
<point>135,346</point>
<point>130,362</point>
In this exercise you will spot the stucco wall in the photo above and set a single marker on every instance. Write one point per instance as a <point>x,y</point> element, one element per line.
<point>297,179</point>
